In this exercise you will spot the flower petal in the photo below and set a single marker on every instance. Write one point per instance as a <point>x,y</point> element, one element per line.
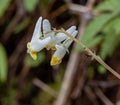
<point>58,55</point>
<point>71,29</point>
<point>60,37</point>
<point>54,61</point>
<point>33,54</point>
<point>75,33</point>
<point>40,44</point>
<point>68,41</point>
<point>37,31</point>
<point>46,26</point>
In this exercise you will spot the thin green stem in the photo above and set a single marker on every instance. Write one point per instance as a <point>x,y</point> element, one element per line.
<point>97,58</point>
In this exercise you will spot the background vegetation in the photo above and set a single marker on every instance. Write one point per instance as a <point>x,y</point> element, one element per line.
<point>78,80</point>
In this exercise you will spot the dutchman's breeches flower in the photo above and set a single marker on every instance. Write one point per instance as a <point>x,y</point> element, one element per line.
<point>61,50</point>
<point>44,37</point>
<point>38,42</point>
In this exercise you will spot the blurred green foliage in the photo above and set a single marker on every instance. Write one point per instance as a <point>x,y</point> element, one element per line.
<point>30,4</point>
<point>3,6</point>
<point>10,96</point>
<point>108,5</point>
<point>105,29</point>
<point>90,38</point>
<point>3,64</point>
<point>34,63</point>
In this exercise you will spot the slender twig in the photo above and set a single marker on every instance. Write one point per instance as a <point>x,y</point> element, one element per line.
<point>82,9</point>
<point>104,84</point>
<point>97,58</point>
<point>91,95</point>
<point>45,87</point>
<point>103,98</point>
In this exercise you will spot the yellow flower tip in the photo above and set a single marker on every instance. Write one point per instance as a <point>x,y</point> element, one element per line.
<point>28,45</point>
<point>33,54</point>
<point>54,61</point>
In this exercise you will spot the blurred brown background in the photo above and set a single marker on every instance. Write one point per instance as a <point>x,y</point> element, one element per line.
<point>79,79</point>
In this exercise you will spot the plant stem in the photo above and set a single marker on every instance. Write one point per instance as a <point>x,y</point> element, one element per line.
<point>97,58</point>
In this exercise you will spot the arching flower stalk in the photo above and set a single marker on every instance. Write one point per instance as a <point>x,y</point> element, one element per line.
<point>58,40</point>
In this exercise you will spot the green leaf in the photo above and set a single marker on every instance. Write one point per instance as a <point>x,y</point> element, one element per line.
<point>111,40</point>
<point>30,4</point>
<point>94,27</point>
<point>96,40</point>
<point>3,6</point>
<point>114,24</point>
<point>34,63</point>
<point>110,43</point>
<point>108,5</point>
<point>3,64</point>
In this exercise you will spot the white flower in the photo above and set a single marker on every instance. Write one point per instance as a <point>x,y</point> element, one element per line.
<point>57,38</point>
<point>62,36</point>
<point>41,39</point>
<point>44,37</point>
<point>61,50</point>
<point>37,43</point>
